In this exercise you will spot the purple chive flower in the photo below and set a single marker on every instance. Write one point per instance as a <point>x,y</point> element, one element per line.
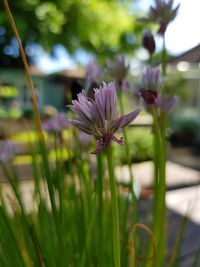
<point>151,83</point>
<point>151,79</point>
<point>119,68</point>
<point>100,117</point>
<point>56,124</point>
<point>166,103</point>
<point>93,79</point>
<point>162,13</point>
<point>149,42</point>
<point>150,92</point>
<point>7,150</point>
<point>85,139</point>
<point>93,73</point>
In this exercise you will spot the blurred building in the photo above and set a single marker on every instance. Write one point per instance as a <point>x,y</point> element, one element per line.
<point>186,68</point>
<point>184,71</point>
<point>191,56</point>
<point>51,89</point>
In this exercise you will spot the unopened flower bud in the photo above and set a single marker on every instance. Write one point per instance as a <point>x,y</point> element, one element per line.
<point>149,42</point>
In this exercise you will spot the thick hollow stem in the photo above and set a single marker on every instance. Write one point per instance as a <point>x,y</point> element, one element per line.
<point>160,209</point>
<point>99,193</point>
<point>115,216</point>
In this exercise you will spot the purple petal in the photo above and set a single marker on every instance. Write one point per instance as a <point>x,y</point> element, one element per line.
<point>83,108</point>
<point>113,101</point>
<point>119,141</point>
<point>127,119</point>
<point>82,112</point>
<point>125,85</point>
<point>116,124</point>
<point>151,79</point>
<point>98,116</point>
<point>149,96</point>
<point>82,126</point>
<point>106,100</point>
<point>93,72</point>
<point>56,124</point>
<point>62,120</point>
<point>166,103</point>
<point>7,150</point>
<point>119,68</point>
<point>101,144</point>
<point>100,101</point>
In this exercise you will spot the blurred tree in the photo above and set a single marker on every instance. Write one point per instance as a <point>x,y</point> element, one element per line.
<point>104,27</point>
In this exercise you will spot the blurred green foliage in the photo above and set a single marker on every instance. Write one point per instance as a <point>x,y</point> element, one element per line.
<point>14,113</point>
<point>11,113</point>
<point>140,145</point>
<point>28,113</point>
<point>184,127</point>
<point>3,113</point>
<point>8,91</point>
<point>103,27</point>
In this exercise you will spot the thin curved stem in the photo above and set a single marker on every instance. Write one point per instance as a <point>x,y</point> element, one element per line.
<point>27,70</point>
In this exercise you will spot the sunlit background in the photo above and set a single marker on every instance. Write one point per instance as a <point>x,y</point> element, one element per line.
<point>183,34</point>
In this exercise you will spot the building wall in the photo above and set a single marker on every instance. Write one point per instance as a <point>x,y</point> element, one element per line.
<point>54,94</point>
<point>50,93</point>
<point>18,79</point>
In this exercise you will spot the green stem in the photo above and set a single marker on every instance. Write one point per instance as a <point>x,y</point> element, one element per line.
<point>99,189</point>
<point>160,207</point>
<point>115,216</point>
<point>164,58</point>
<point>12,236</point>
<point>127,150</point>
<point>126,145</point>
<point>48,176</point>
<point>156,174</point>
<point>13,180</point>
<point>59,175</point>
<point>100,182</point>
<point>150,59</point>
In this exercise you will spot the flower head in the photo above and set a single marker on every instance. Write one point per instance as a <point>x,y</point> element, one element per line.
<point>7,150</point>
<point>151,79</point>
<point>150,91</point>
<point>93,79</point>
<point>93,73</point>
<point>119,68</point>
<point>162,13</point>
<point>151,82</point>
<point>56,124</point>
<point>100,117</point>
